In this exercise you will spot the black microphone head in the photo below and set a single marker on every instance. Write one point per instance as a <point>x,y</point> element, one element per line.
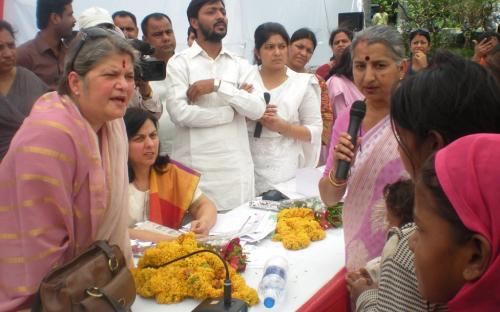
<point>267,97</point>
<point>358,109</point>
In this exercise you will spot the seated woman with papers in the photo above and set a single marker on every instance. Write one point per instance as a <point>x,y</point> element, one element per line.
<point>160,189</point>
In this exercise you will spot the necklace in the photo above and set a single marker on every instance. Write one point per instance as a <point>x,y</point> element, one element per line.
<point>141,186</point>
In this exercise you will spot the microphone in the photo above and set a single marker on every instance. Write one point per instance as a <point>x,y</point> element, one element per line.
<point>258,126</point>
<point>226,304</point>
<point>358,111</point>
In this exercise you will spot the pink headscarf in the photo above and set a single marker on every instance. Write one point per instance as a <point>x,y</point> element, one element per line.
<point>469,173</point>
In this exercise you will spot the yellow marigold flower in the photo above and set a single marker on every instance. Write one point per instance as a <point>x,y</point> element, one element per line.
<point>297,227</point>
<point>199,276</point>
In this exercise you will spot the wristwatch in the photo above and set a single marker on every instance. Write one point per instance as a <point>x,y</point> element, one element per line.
<point>217,83</point>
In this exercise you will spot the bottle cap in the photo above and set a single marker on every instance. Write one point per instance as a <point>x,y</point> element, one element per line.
<point>269,302</point>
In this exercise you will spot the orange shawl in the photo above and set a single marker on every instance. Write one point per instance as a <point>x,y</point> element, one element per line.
<point>171,193</point>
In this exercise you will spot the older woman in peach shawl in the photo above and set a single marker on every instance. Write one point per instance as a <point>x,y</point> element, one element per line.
<point>63,182</point>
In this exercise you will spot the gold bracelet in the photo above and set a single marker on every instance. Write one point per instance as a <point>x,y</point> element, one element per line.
<point>335,183</point>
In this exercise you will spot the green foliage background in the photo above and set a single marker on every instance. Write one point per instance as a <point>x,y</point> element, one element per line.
<point>467,15</point>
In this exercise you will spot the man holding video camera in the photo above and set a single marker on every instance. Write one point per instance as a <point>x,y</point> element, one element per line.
<point>146,71</point>
<point>143,95</point>
<point>157,31</point>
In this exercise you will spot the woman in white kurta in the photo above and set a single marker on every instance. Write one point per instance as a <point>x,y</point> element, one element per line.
<point>292,125</point>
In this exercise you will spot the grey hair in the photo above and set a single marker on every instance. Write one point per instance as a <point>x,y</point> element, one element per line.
<point>90,55</point>
<point>386,35</point>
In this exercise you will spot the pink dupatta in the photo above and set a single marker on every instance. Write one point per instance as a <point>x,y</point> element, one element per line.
<point>342,93</point>
<point>469,174</point>
<point>59,191</point>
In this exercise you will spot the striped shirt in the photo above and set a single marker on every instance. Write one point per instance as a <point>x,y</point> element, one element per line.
<point>398,289</point>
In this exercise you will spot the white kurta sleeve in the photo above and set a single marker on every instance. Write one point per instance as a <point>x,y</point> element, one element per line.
<point>310,111</point>
<point>181,112</point>
<point>310,117</point>
<point>250,105</point>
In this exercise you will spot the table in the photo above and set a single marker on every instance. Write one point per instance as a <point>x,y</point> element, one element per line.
<point>309,270</point>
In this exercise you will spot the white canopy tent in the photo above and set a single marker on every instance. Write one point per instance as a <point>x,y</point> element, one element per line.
<point>244,16</point>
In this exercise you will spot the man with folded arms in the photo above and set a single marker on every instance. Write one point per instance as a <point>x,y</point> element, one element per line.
<point>208,100</point>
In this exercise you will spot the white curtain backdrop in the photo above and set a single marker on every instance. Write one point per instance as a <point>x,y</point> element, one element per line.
<point>244,16</point>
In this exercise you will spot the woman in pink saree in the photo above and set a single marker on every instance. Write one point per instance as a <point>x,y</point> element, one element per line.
<point>63,182</point>
<point>378,65</point>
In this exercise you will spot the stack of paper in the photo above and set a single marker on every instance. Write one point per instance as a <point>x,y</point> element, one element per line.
<point>249,225</point>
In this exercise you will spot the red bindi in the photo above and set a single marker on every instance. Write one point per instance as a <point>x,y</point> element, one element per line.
<point>123,63</point>
<point>367,58</point>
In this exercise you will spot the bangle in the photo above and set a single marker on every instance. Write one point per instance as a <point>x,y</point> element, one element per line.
<point>334,182</point>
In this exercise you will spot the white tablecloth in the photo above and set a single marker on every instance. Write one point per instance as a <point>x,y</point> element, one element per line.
<point>310,269</point>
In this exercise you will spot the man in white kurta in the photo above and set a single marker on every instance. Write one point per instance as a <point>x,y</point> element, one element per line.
<point>208,101</point>
<point>157,30</point>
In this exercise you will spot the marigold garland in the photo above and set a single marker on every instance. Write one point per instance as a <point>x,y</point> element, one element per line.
<point>297,227</point>
<point>200,276</point>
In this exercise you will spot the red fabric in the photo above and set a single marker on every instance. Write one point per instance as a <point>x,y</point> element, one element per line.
<point>469,174</point>
<point>1,8</point>
<point>164,212</point>
<point>333,297</point>
<point>171,193</point>
<point>323,70</point>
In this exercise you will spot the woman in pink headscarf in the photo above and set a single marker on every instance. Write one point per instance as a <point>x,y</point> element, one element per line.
<point>457,241</point>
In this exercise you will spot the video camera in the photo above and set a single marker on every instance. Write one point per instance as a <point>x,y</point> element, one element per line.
<point>148,69</point>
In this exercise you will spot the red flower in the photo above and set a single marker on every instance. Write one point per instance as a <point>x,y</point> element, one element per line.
<point>330,217</point>
<point>229,247</point>
<point>233,254</point>
<point>234,262</point>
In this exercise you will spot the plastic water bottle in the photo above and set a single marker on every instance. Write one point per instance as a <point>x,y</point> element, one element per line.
<point>272,285</point>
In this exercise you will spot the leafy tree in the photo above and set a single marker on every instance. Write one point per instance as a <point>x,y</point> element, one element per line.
<point>390,6</point>
<point>429,14</point>
<point>434,15</point>
<point>472,15</point>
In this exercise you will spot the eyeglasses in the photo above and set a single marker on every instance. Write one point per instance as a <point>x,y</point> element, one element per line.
<point>414,30</point>
<point>87,34</point>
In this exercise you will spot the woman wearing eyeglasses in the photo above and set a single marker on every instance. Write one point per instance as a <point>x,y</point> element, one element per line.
<point>63,182</point>
<point>420,45</point>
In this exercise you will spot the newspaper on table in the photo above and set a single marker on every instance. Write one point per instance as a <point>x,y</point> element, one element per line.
<point>315,203</point>
<point>250,225</point>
